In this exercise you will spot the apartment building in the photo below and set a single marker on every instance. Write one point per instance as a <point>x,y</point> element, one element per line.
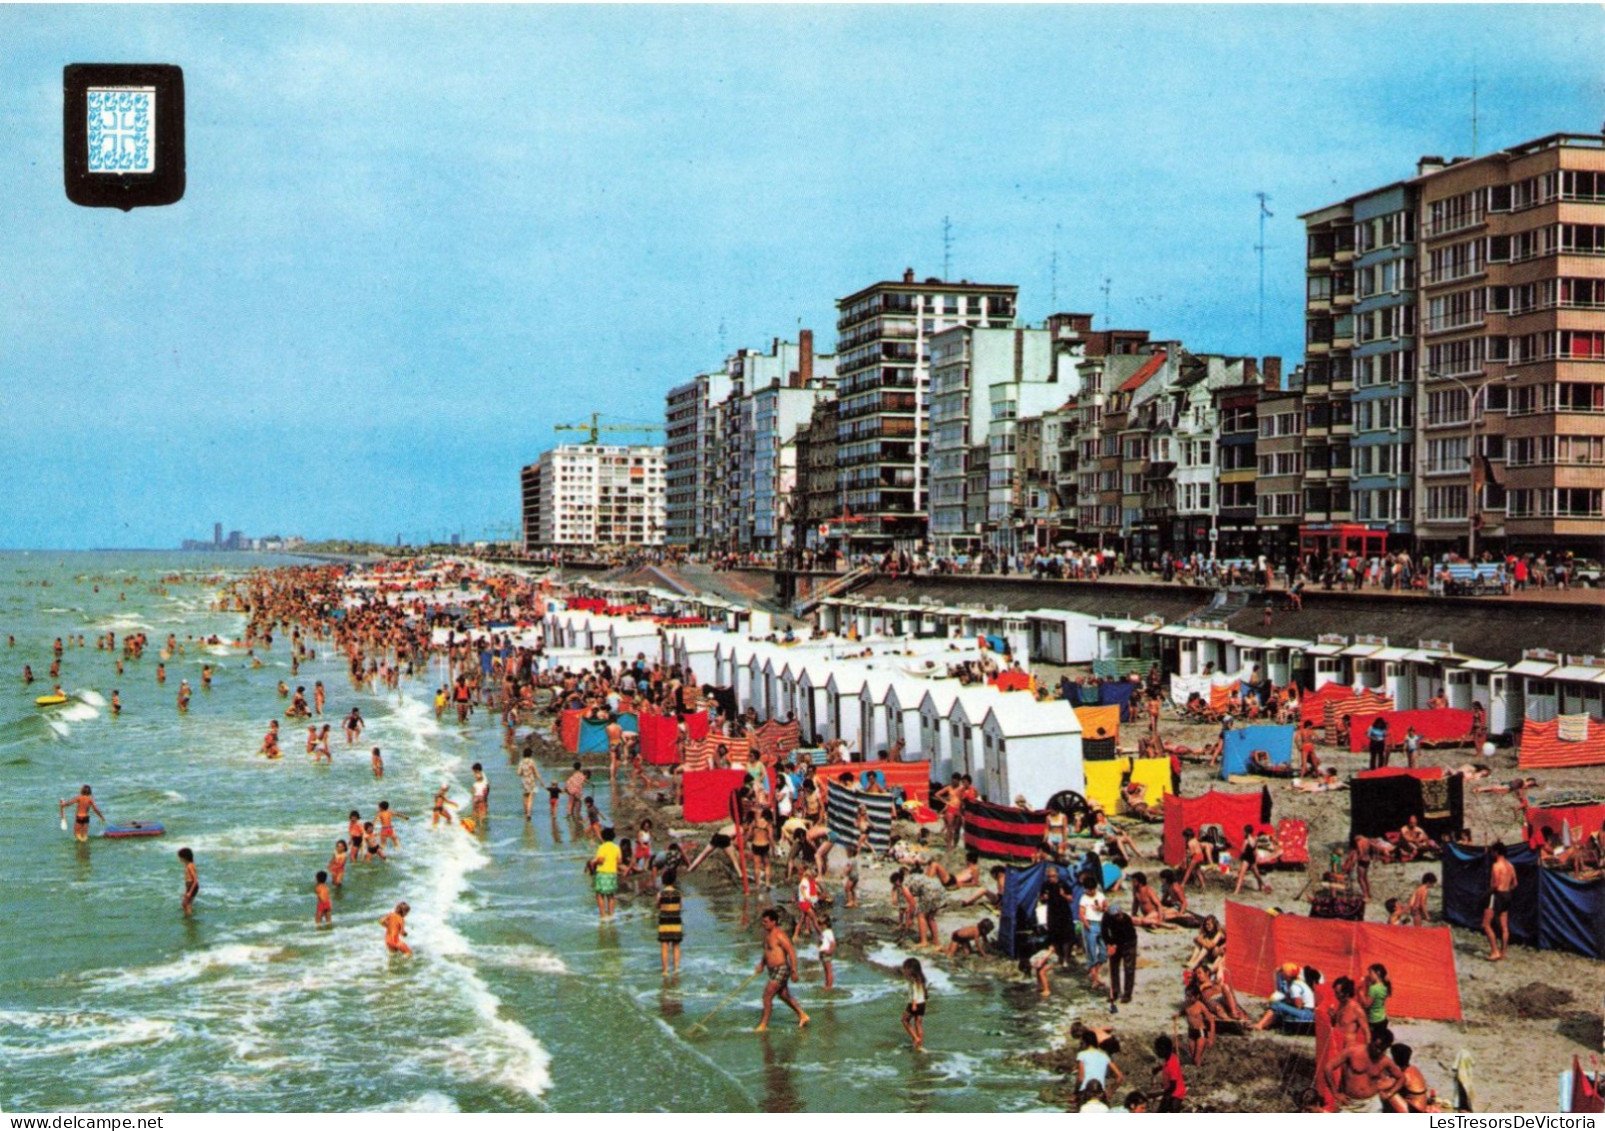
<point>1329,363</point>
<point>594,496</point>
<point>1279,488</point>
<point>982,381</point>
<point>884,335</point>
<point>689,458</point>
<point>1237,466</point>
<point>1455,371</point>
<point>817,502</point>
<point>1513,376</point>
<point>1382,451</point>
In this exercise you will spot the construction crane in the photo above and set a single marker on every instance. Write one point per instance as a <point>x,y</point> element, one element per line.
<point>593,429</point>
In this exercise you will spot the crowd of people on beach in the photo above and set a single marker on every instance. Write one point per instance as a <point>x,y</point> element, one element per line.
<point>1095,906</point>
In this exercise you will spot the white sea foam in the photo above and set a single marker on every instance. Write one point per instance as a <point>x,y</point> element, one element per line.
<point>512,1057</point>
<point>60,727</point>
<point>186,969</point>
<point>90,696</point>
<point>77,713</point>
<point>534,960</point>
<point>891,957</point>
<point>261,840</point>
<point>429,1103</point>
<point>29,1034</point>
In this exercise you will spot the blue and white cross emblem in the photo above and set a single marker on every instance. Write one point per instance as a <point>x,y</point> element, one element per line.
<point>122,129</point>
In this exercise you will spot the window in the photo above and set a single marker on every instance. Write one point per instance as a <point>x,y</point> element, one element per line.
<point>1448,455</point>
<point>1445,503</point>
<point>1457,261</point>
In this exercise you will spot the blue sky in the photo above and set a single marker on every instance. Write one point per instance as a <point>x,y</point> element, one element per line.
<point>416,238</point>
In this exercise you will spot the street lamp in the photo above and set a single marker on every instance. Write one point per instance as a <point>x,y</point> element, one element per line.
<point>1473,511</point>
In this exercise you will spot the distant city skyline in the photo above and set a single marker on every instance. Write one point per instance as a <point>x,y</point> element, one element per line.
<point>415,239</point>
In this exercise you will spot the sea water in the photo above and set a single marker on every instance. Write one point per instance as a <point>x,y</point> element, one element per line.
<point>516,998</point>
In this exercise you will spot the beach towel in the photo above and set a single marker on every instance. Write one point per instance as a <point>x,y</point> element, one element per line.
<point>1094,719</point>
<point>1543,748</point>
<point>1572,728</point>
<point>1103,783</point>
<point>1012,681</point>
<point>1002,831</point>
<point>841,813</point>
<point>1153,774</point>
<point>697,725</point>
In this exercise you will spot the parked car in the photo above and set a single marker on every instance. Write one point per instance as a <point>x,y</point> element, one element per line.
<point>1587,571</point>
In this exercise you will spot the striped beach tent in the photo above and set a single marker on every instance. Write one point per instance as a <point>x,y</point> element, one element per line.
<point>842,803</point>
<point>998,830</point>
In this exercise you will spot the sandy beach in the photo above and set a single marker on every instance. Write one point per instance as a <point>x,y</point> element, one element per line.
<point>1547,1003</point>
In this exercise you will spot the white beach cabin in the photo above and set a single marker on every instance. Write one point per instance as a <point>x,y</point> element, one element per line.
<point>1032,750</point>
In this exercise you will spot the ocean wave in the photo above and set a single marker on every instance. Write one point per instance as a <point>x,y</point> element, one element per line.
<point>259,840</point>
<point>189,968</point>
<point>77,712</point>
<point>91,696</point>
<point>33,1034</point>
<point>520,958</point>
<point>428,1103</point>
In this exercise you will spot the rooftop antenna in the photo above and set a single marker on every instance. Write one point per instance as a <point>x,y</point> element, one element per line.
<point>1053,269</point>
<point>947,248</point>
<point>1474,104</point>
<point>723,351</point>
<point>1107,283</point>
<point>1264,213</point>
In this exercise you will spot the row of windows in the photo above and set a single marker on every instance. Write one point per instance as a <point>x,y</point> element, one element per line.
<point>1556,502</point>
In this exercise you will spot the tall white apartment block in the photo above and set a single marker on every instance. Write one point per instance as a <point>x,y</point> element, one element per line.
<point>595,496</point>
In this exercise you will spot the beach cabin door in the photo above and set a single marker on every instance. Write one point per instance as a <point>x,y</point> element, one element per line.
<point>1504,703</point>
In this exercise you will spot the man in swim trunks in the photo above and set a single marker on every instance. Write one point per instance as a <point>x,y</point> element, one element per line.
<point>84,804</point>
<point>780,960</point>
<point>1501,892</point>
<point>395,925</point>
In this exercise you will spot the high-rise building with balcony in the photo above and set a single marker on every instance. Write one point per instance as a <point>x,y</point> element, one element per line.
<point>1329,363</point>
<point>883,364</point>
<point>689,456</point>
<point>593,496</point>
<point>1456,328</point>
<point>1512,353</point>
<point>982,380</point>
